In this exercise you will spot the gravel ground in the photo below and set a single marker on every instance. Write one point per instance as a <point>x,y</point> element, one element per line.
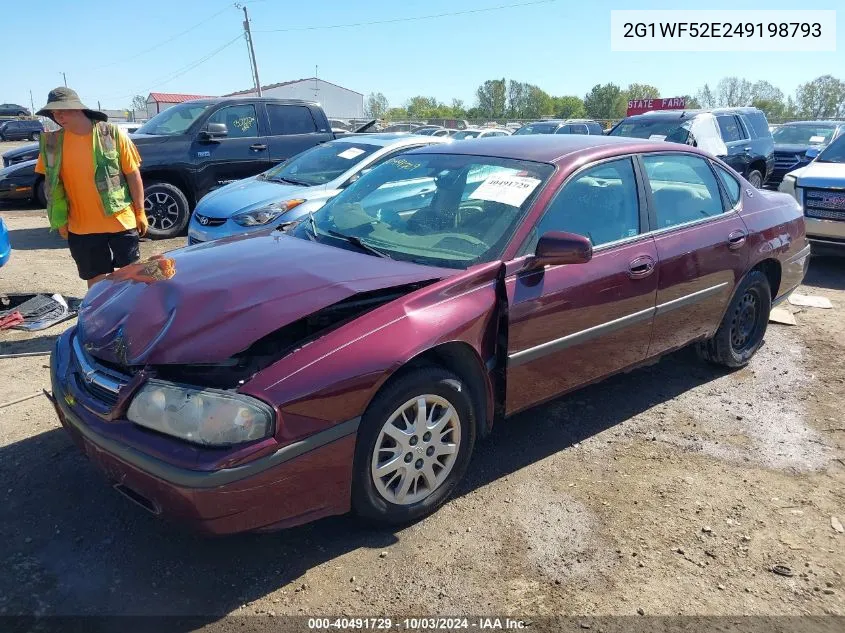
<point>670,490</point>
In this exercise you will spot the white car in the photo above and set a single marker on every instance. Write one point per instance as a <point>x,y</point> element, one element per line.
<point>479,132</point>
<point>820,188</point>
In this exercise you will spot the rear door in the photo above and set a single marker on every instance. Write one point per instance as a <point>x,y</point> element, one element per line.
<point>737,141</point>
<point>569,325</point>
<point>241,153</point>
<point>701,245</point>
<point>293,129</point>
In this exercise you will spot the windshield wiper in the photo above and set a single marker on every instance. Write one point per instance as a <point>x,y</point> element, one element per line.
<point>289,181</point>
<point>357,241</point>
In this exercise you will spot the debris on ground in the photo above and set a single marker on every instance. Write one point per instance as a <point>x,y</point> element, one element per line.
<point>810,301</point>
<point>782,570</point>
<point>836,525</point>
<point>33,312</point>
<point>782,316</point>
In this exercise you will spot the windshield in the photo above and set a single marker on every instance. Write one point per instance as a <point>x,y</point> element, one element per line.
<point>803,134</point>
<point>538,128</point>
<point>175,120</point>
<point>320,164</point>
<point>466,134</point>
<point>834,153</point>
<point>446,210</point>
<point>672,130</point>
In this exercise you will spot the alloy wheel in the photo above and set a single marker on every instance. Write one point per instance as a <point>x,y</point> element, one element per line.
<point>162,210</point>
<point>416,449</point>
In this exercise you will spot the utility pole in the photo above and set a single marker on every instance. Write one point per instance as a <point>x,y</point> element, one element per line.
<point>31,102</point>
<point>65,78</point>
<point>248,36</point>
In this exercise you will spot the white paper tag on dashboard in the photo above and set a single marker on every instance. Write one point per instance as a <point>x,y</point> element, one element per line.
<point>817,139</point>
<point>512,190</point>
<point>350,153</point>
<point>657,137</point>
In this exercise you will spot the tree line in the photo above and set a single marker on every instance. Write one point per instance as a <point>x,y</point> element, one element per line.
<point>820,98</point>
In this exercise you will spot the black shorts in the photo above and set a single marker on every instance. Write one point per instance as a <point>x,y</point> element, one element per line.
<point>100,253</point>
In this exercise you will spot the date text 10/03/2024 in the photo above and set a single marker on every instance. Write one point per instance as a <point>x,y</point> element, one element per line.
<point>417,624</point>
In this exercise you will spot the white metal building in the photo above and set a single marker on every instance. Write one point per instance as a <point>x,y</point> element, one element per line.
<point>338,102</point>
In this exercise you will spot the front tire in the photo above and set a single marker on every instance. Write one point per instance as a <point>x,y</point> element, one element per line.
<point>755,178</point>
<point>167,210</point>
<point>34,136</point>
<point>414,445</point>
<point>744,325</point>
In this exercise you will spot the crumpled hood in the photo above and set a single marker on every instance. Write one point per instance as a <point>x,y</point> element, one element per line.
<point>246,195</point>
<point>818,174</point>
<point>20,151</point>
<point>205,303</point>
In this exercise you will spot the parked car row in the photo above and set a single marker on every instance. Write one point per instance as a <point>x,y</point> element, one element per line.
<point>350,360</point>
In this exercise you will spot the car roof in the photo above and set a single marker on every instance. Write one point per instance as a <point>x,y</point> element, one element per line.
<point>689,113</point>
<point>213,100</point>
<point>831,123</point>
<point>548,148</point>
<point>386,139</point>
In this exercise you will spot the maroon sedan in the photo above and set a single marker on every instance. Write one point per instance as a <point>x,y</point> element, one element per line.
<point>350,361</point>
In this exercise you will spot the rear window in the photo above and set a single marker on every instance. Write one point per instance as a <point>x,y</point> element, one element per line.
<point>659,129</point>
<point>759,124</point>
<point>285,119</point>
<point>594,128</point>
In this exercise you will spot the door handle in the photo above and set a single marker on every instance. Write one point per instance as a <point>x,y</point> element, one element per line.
<point>257,147</point>
<point>641,266</point>
<point>736,239</point>
<point>746,149</point>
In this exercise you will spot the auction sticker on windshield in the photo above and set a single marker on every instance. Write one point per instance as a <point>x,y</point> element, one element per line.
<point>817,139</point>
<point>350,153</point>
<point>512,190</point>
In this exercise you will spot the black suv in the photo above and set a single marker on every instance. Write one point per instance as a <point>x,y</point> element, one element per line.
<point>196,146</point>
<point>792,140</point>
<point>21,130</point>
<point>739,136</point>
<point>13,109</point>
<point>561,126</point>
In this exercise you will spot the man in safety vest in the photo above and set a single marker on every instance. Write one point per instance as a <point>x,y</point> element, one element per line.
<point>95,197</point>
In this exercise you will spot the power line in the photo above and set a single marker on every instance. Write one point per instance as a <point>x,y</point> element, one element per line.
<point>181,71</point>
<point>409,19</point>
<point>123,60</point>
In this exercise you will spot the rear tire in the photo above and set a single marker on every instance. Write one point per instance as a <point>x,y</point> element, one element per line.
<point>34,136</point>
<point>755,178</point>
<point>744,325</point>
<point>167,210</point>
<point>421,468</point>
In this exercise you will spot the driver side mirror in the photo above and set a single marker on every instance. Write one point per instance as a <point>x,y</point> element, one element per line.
<point>214,130</point>
<point>812,152</point>
<point>556,248</point>
<point>355,177</point>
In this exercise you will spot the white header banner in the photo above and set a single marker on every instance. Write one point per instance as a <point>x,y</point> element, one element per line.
<point>723,30</point>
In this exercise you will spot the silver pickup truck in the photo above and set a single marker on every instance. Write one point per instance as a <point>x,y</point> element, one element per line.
<point>820,189</point>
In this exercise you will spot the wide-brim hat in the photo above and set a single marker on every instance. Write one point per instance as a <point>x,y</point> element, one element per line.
<point>66,99</point>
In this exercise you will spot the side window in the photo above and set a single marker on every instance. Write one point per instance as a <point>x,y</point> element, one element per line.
<point>579,128</point>
<point>594,128</point>
<point>731,184</point>
<point>729,126</point>
<point>683,188</point>
<point>239,119</point>
<point>285,119</point>
<point>600,203</point>
<point>564,129</point>
<point>759,124</point>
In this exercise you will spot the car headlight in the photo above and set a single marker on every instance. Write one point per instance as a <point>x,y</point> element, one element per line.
<point>202,416</point>
<point>787,185</point>
<point>265,215</point>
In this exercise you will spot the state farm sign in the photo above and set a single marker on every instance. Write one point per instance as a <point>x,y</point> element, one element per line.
<point>638,106</point>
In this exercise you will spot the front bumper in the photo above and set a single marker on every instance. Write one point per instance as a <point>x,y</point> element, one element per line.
<point>197,233</point>
<point>16,190</point>
<point>296,484</point>
<point>826,236</point>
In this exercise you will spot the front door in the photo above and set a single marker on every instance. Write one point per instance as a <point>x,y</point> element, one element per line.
<point>243,152</point>
<point>569,325</point>
<point>701,245</point>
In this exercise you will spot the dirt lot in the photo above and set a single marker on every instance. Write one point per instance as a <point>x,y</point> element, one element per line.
<point>670,490</point>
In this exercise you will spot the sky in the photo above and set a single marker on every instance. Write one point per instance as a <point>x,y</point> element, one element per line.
<point>110,52</point>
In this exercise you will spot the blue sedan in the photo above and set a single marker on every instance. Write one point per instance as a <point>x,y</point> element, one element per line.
<point>302,184</point>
